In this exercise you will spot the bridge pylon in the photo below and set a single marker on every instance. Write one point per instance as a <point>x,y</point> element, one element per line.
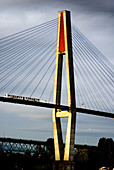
<point>64,49</point>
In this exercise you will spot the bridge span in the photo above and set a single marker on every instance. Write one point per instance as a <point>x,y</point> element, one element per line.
<point>22,145</point>
<point>61,107</point>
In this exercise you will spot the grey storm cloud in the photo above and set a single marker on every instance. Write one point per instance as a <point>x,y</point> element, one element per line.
<point>93,17</point>
<point>95,5</point>
<point>88,5</point>
<point>95,20</point>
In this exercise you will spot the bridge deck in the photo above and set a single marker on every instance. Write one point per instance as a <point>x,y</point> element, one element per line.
<point>62,107</point>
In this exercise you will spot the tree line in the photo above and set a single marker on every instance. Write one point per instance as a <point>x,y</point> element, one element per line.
<point>87,158</point>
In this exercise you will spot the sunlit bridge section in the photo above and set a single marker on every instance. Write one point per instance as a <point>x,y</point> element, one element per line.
<point>27,66</point>
<point>36,102</point>
<point>53,65</point>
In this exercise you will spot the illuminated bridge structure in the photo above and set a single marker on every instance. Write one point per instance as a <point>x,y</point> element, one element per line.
<point>51,105</point>
<point>28,61</point>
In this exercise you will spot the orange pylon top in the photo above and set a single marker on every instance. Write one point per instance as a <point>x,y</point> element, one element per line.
<point>61,38</point>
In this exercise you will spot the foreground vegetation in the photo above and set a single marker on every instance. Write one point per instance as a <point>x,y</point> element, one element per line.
<point>89,158</point>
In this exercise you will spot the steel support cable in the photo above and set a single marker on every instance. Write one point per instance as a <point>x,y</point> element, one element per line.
<point>31,55</point>
<point>98,84</point>
<point>27,66</point>
<point>80,100</point>
<point>9,44</point>
<point>29,29</point>
<point>14,69</point>
<point>23,39</point>
<point>23,54</point>
<point>90,90</point>
<point>28,58</point>
<point>42,78</point>
<point>36,45</point>
<point>22,57</point>
<point>47,82</point>
<point>24,43</point>
<point>41,46</point>
<point>36,75</point>
<point>91,66</point>
<point>89,57</point>
<point>30,72</point>
<point>90,80</point>
<point>95,56</point>
<point>87,91</point>
<point>76,62</point>
<point>16,76</point>
<point>77,89</point>
<point>85,71</point>
<point>13,49</point>
<point>92,57</point>
<point>51,93</point>
<point>85,81</point>
<point>100,78</point>
<point>102,59</point>
<point>27,45</point>
<point>92,48</point>
<point>30,46</point>
<point>82,93</point>
<point>40,69</point>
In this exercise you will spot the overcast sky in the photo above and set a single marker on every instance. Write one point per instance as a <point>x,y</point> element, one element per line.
<point>95,19</point>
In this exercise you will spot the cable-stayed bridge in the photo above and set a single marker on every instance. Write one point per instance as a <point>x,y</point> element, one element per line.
<point>27,64</point>
<point>27,76</point>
